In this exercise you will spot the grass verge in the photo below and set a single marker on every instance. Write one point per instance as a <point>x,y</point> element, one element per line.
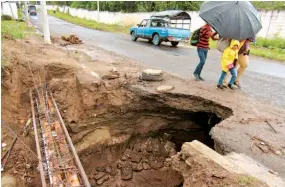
<point>12,30</point>
<point>15,30</point>
<point>247,181</point>
<point>271,43</point>
<point>90,24</point>
<point>258,50</point>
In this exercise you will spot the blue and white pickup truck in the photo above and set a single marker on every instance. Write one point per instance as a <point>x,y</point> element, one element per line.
<point>167,26</point>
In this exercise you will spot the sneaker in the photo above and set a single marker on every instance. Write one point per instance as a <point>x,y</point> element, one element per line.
<point>201,78</point>
<point>224,86</point>
<point>196,76</point>
<point>237,84</point>
<point>231,86</point>
<point>220,87</point>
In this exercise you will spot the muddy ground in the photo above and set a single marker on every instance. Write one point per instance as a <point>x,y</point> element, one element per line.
<point>113,116</point>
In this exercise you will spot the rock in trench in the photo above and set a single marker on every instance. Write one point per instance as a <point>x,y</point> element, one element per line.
<point>135,157</point>
<point>124,158</point>
<point>126,173</point>
<point>103,179</point>
<point>137,167</point>
<point>146,166</point>
<point>128,153</point>
<point>156,162</point>
<point>99,175</point>
<point>113,170</point>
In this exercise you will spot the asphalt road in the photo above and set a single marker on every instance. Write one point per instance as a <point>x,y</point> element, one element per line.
<point>264,79</point>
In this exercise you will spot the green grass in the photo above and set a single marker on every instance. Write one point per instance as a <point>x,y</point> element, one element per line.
<point>20,13</point>
<point>90,24</point>
<point>247,181</point>
<point>262,49</point>
<point>275,54</point>
<point>15,30</point>
<point>271,43</point>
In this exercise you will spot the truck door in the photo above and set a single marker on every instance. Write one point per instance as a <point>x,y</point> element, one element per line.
<point>141,28</point>
<point>147,32</point>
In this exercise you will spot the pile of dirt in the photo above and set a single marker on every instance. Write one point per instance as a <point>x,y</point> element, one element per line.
<point>7,36</point>
<point>72,39</point>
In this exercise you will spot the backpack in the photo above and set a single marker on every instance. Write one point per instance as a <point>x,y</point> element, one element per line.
<point>195,37</point>
<point>222,44</point>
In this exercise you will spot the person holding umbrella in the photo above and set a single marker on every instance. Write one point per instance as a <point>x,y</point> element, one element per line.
<point>243,59</point>
<point>202,49</point>
<point>237,20</point>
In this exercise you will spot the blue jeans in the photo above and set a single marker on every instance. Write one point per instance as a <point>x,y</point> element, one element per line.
<point>202,53</point>
<point>223,75</point>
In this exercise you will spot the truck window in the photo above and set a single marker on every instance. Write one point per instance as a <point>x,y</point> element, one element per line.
<point>144,23</point>
<point>158,23</point>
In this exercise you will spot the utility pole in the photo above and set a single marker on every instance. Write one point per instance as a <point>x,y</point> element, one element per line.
<point>98,11</point>
<point>27,14</point>
<point>45,23</point>
<point>11,11</point>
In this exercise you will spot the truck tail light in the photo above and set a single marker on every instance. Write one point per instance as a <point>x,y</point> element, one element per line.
<point>170,38</point>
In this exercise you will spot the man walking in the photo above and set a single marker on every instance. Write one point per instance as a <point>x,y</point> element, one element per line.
<point>202,48</point>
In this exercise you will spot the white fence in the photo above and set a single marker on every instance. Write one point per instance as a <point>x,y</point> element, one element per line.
<point>273,22</point>
<point>6,9</point>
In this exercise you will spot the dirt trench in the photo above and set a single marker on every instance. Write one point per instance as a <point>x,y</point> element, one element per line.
<point>123,134</point>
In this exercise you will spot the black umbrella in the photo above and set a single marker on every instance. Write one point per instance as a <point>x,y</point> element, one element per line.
<point>232,19</point>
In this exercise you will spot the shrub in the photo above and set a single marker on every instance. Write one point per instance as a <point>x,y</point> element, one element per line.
<point>6,17</point>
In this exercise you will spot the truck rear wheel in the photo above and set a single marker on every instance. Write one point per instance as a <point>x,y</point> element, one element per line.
<point>156,40</point>
<point>174,43</point>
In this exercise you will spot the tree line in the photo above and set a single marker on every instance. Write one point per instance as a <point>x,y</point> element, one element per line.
<point>151,6</point>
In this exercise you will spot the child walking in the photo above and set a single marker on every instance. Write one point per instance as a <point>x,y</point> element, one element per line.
<point>230,56</point>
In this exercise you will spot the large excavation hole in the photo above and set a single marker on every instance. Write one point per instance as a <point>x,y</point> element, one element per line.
<point>155,132</point>
<point>192,126</point>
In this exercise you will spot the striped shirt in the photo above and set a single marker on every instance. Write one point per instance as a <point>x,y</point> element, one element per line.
<point>205,34</point>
